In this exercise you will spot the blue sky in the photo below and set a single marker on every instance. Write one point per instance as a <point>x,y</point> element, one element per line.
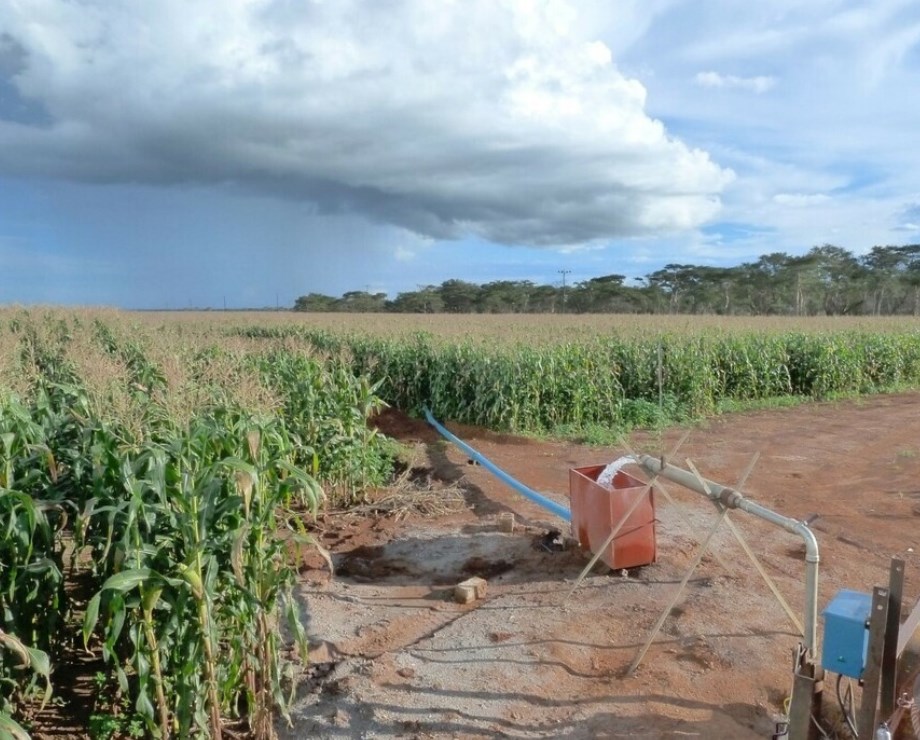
<point>245,152</point>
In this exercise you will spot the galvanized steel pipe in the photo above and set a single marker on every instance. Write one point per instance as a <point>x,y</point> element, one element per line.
<point>733,499</point>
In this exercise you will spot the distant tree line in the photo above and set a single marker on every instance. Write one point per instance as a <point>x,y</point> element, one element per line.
<point>828,280</point>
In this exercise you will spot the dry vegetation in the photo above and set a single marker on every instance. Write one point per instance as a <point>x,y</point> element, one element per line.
<point>529,327</point>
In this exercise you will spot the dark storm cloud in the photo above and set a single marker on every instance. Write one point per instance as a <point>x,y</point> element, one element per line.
<point>494,119</point>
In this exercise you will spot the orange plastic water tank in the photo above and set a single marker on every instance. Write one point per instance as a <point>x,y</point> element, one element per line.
<point>597,510</point>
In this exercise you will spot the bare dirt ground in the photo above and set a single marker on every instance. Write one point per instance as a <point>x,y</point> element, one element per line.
<point>395,656</point>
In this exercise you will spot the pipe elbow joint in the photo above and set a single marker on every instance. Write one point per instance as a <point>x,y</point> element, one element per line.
<point>811,543</point>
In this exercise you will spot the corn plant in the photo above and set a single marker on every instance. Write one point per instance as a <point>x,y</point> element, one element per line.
<point>25,660</point>
<point>546,383</point>
<point>146,381</point>
<point>187,530</point>
<point>201,571</point>
<point>327,406</point>
<point>31,579</point>
<point>186,523</point>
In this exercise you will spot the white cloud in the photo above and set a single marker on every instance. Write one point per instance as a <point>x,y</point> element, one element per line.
<point>759,84</point>
<point>907,219</point>
<point>504,120</point>
<point>800,200</point>
<point>827,153</point>
<point>403,254</point>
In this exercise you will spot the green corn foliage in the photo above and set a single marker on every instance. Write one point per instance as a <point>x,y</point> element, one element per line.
<point>610,380</point>
<point>31,578</point>
<point>25,660</point>
<point>327,405</point>
<point>197,570</point>
<point>190,531</point>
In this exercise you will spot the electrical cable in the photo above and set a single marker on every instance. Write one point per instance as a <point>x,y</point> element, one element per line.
<point>820,729</point>
<point>843,705</point>
<point>915,708</point>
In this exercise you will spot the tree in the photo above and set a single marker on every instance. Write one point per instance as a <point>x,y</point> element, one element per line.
<point>767,284</point>
<point>459,296</point>
<point>543,299</point>
<point>893,279</point>
<point>826,280</point>
<point>315,302</point>
<point>359,301</point>
<point>605,294</point>
<point>427,300</point>
<point>839,277</point>
<point>505,296</point>
<point>684,286</point>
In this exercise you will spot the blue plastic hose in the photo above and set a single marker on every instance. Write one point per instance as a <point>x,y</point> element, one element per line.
<point>557,509</point>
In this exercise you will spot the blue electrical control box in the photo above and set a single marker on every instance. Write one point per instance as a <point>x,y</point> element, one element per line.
<point>846,633</point>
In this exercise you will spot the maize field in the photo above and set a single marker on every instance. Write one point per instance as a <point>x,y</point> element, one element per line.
<point>171,463</point>
<point>535,377</point>
<point>175,475</point>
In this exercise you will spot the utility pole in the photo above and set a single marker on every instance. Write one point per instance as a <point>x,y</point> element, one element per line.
<point>563,273</point>
<point>423,291</point>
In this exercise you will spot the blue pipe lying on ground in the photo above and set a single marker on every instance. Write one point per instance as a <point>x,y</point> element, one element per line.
<point>558,509</point>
